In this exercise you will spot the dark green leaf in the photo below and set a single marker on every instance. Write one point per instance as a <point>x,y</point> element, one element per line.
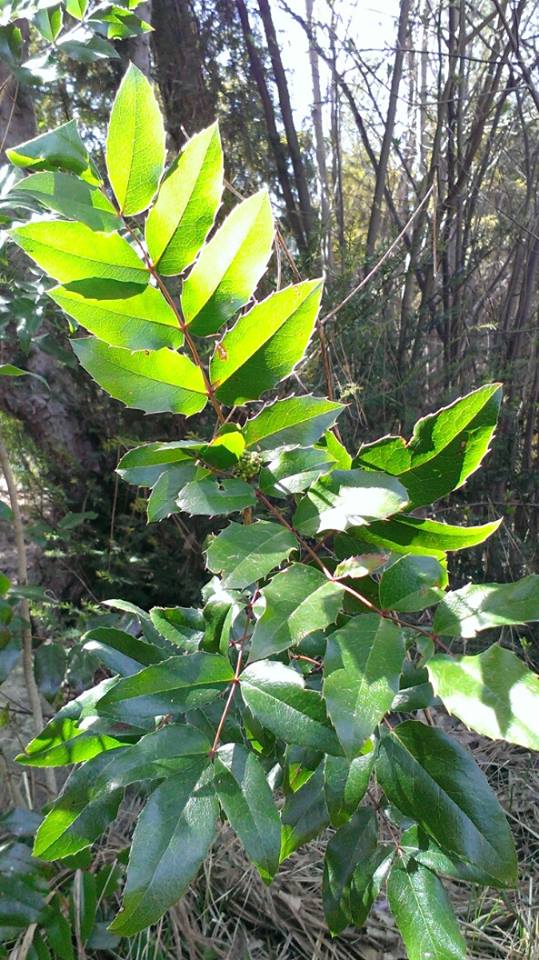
<point>292,471</point>
<point>182,626</point>
<point>184,683</point>
<point>346,782</point>
<point>143,465</point>
<point>172,837</point>
<point>188,200</point>
<point>353,844</point>
<point>445,448</point>
<point>367,881</point>
<point>436,782</point>
<point>361,677</point>
<point>157,381</point>
<point>493,692</point>
<point>349,498</point>
<point>412,583</point>
<point>415,843</point>
<point>243,554</point>
<point>211,497</point>
<point>277,697</point>
<point>423,913</point>
<point>298,600</point>
<point>49,668</point>
<point>162,501</point>
<point>120,652</point>
<point>265,344</point>
<point>476,607</point>
<point>247,800</point>
<point>304,814</point>
<point>60,149</point>
<point>229,267</point>
<point>135,151</point>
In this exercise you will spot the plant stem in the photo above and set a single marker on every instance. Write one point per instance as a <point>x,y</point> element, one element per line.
<point>231,693</point>
<point>22,577</point>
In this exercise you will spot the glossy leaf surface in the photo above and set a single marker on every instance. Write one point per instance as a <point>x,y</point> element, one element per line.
<point>423,913</point>
<point>476,607</point>
<point>73,198</point>
<point>298,600</point>
<point>353,844</point>
<point>361,677</point>
<point>412,583</point>
<point>349,498</point>
<point>242,554</point>
<point>492,692</point>
<point>432,779</point>
<point>216,497</point>
<point>296,421</point>
<point>414,535</point>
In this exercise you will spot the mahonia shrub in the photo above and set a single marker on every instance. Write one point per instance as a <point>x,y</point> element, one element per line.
<point>297,697</point>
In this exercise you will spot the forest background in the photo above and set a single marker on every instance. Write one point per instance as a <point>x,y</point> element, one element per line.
<point>400,146</point>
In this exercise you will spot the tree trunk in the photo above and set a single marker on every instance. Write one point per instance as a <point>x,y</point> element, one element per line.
<point>317,117</point>
<point>288,120</point>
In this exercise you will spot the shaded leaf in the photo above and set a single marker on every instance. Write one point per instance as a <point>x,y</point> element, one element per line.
<point>304,814</point>
<point>59,149</point>
<point>423,913</point>
<point>354,843</point>
<point>412,583</point>
<point>298,600</point>
<point>243,554</point>
<point>210,497</point>
<point>346,782</point>
<point>73,198</point>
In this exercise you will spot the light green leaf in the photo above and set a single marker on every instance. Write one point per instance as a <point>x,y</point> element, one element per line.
<point>433,780</point>
<point>60,149</point>
<point>412,583</point>
<point>243,554</point>
<point>247,800</point>
<point>354,843</point>
<point>423,913</point>
<point>348,498</point>
<point>189,197</point>
<point>361,677</point>
<point>144,465</point>
<point>304,814</point>
<point>298,600</point>
<point>49,21</point>
<point>71,251</point>
<point>76,8</point>
<point>172,837</point>
<point>156,381</point>
<point>120,316</point>
<point>277,697</point>
<point>292,471</point>
<point>225,450</point>
<point>70,196</point>
<point>211,497</point>
<point>135,150</point>
<point>414,535</point>
<point>162,501</point>
<point>445,448</point>
<point>296,421</point>
<point>180,683</point>
<point>229,267</point>
<point>265,344</point>
<point>492,692</point>
<point>476,607</point>
<point>361,565</point>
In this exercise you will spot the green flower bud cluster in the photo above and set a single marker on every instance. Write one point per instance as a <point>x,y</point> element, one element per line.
<point>248,465</point>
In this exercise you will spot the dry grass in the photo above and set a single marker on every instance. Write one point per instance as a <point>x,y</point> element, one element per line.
<point>230,915</point>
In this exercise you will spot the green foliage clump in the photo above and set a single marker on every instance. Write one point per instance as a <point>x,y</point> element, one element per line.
<point>327,626</point>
